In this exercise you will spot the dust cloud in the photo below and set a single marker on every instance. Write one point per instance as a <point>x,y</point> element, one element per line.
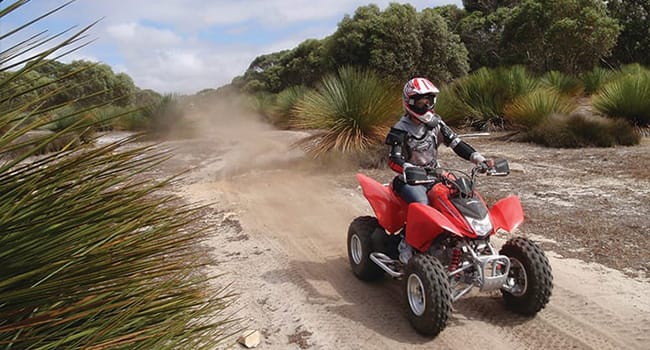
<point>241,141</point>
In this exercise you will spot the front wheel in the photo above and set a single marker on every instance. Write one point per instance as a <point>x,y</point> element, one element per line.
<point>530,281</point>
<point>428,295</point>
<point>360,246</point>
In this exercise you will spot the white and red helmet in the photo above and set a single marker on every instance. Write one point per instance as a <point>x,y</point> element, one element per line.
<point>416,89</point>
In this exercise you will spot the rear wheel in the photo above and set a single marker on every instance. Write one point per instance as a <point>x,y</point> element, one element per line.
<point>530,281</point>
<point>428,296</point>
<point>360,246</point>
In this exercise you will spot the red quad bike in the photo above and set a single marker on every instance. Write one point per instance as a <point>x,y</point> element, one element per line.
<point>451,240</point>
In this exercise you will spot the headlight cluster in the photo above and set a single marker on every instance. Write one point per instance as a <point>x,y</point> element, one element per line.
<point>481,226</point>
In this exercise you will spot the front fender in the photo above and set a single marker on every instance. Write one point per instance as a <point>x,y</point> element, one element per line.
<point>424,224</point>
<point>507,214</point>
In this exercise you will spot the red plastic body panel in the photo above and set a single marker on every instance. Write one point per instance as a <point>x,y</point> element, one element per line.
<point>439,198</point>
<point>389,209</point>
<point>424,224</point>
<point>507,214</point>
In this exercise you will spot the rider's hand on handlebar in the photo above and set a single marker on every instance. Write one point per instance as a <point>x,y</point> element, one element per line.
<point>486,165</point>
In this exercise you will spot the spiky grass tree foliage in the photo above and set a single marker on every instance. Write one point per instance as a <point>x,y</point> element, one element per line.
<point>263,104</point>
<point>529,110</point>
<point>564,84</point>
<point>480,98</point>
<point>166,116</point>
<point>285,102</point>
<point>627,96</point>
<point>94,255</point>
<point>351,111</point>
<point>595,79</point>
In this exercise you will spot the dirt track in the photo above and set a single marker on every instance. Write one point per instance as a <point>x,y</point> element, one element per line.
<point>280,224</point>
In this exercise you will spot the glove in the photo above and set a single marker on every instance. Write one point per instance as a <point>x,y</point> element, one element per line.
<point>486,165</point>
<point>413,174</point>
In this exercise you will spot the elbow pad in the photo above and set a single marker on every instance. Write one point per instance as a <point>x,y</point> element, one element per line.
<point>464,150</point>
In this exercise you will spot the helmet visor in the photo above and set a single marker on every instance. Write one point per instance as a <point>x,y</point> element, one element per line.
<point>423,103</point>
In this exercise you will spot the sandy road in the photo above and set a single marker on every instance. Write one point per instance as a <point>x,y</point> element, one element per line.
<point>280,229</point>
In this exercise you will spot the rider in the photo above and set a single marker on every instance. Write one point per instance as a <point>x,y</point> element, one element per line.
<point>414,142</point>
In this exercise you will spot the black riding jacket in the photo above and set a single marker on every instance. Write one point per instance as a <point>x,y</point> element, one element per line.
<point>418,143</point>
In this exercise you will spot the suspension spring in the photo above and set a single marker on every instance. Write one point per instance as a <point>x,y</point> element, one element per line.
<point>455,259</point>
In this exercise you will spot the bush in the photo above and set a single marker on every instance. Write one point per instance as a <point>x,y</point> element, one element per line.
<point>595,79</point>
<point>94,254</point>
<point>627,96</point>
<point>562,83</point>
<point>481,97</point>
<point>285,102</point>
<point>529,110</point>
<point>578,130</point>
<point>165,116</point>
<point>263,104</point>
<point>354,109</point>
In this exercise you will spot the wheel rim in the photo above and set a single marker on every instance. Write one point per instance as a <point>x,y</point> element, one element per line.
<point>517,278</point>
<point>415,294</point>
<point>355,249</point>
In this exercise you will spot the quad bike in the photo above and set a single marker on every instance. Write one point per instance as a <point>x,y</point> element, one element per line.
<point>451,240</point>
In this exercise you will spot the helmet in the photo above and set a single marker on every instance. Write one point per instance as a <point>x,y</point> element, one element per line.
<point>417,89</point>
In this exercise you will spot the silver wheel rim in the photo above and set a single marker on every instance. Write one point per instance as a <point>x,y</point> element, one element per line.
<point>517,278</point>
<point>355,249</point>
<point>415,294</point>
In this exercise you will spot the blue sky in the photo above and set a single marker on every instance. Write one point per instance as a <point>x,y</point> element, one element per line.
<point>183,46</point>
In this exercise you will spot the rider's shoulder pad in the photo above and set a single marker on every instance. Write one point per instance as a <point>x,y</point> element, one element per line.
<point>395,137</point>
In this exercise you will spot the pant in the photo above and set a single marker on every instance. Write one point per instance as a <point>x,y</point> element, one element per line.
<point>411,193</point>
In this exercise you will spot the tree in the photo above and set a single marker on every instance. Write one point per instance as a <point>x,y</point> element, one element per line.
<point>396,46</point>
<point>481,33</point>
<point>570,36</point>
<point>488,6</point>
<point>634,42</point>
<point>350,43</point>
<point>444,56</point>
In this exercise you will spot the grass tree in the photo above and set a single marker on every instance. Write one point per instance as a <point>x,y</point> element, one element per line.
<point>479,99</point>
<point>626,96</point>
<point>94,254</point>
<point>349,111</point>
<point>285,102</point>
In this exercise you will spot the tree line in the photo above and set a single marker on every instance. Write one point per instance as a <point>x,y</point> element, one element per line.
<point>447,42</point>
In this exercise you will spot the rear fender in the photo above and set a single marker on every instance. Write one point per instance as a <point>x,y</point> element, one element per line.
<point>507,214</point>
<point>424,224</point>
<point>389,209</point>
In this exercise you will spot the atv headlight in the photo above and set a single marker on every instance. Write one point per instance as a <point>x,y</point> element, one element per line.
<point>481,226</point>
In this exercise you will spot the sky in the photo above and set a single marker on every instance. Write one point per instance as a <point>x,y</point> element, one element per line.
<point>184,46</point>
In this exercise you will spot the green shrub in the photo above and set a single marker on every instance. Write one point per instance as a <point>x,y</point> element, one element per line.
<point>94,254</point>
<point>595,79</point>
<point>285,103</point>
<point>165,117</point>
<point>562,83</point>
<point>579,130</point>
<point>527,111</point>
<point>481,97</point>
<point>353,110</point>
<point>263,103</point>
<point>627,96</point>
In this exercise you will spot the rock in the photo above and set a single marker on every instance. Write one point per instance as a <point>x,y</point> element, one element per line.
<point>250,338</point>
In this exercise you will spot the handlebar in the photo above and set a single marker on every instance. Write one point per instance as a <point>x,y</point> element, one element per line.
<point>415,175</point>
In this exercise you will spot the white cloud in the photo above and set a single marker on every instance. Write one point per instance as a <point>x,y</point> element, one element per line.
<point>163,44</point>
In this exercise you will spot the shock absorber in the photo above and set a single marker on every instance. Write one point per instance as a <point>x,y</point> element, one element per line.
<point>455,259</point>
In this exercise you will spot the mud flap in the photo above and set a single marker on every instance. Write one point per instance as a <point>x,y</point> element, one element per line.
<point>507,214</point>
<point>424,224</point>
